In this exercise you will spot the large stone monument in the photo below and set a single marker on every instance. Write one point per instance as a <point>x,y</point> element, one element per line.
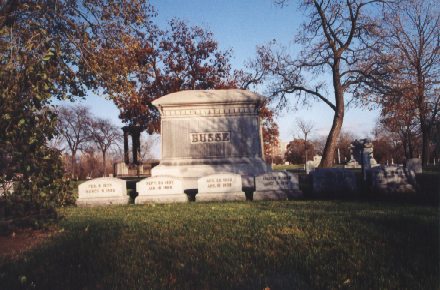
<point>209,132</point>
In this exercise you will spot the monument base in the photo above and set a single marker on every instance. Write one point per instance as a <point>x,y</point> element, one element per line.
<point>190,171</point>
<point>221,196</point>
<point>97,201</point>
<point>163,198</point>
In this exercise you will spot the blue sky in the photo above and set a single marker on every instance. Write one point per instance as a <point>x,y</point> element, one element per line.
<point>241,26</point>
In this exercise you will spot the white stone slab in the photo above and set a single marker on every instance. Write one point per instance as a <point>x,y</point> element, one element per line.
<point>221,186</point>
<point>102,191</point>
<point>276,186</point>
<point>160,189</point>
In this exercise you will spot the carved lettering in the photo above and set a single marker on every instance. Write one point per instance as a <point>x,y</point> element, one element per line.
<point>211,137</point>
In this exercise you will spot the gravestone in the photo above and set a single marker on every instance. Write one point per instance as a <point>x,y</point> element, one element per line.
<point>414,164</point>
<point>160,189</point>
<point>219,187</point>
<point>276,186</point>
<point>205,132</point>
<point>102,191</point>
<point>334,182</point>
<point>392,179</point>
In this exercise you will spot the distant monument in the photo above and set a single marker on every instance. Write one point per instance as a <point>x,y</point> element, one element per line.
<point>361,154</point>
<point>134,167</point>
<point>211,140</point>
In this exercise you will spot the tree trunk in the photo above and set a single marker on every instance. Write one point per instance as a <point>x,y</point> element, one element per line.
<point>104,163</point>
<point>305,148</point>
<point>425,145</point>
<point>72,164</point>
<point>410,147</point>
<point>332,139</point>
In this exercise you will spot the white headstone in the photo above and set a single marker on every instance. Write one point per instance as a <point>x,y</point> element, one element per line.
<point>102,191</point>
<point>221,186</point>
<point>414,164</point>
<point>276,186</point>
<point>160,189</point>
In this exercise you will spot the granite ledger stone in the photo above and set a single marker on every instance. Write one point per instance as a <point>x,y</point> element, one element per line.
<point>102,191</point>
<point>205,132</point>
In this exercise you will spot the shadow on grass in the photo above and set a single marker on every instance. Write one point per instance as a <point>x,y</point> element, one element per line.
<point>76,259</point>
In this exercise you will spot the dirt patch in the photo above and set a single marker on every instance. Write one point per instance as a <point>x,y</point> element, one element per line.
<point>23,240</point>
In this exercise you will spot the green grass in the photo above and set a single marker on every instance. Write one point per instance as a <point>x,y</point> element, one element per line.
<point>281,245</point>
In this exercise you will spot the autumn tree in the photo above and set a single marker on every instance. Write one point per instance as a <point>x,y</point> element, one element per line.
<point>181,57</point>
<point>105,135</point>
<point>48,50</point>
<point>297,150</point>
<point>270,132</point>
<point>331,40</point>
<point>404,67</point>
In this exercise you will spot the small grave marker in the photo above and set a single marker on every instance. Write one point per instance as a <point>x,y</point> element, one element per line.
<point>102,191</point>
<point>160,189</point>
<point>221,186</point>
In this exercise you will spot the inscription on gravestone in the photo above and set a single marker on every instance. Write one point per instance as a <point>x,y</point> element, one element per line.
<point>222,186</point>
<point>160,188</point>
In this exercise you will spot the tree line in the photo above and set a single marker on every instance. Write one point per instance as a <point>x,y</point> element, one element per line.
<point>375,52</point>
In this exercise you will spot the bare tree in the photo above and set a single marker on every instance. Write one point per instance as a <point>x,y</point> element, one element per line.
<point>406,75</point>
<point>332,41</point>
<point>305,127</point>
<point>104,134</point>
<point>147,145</point>
<point>73,125</point>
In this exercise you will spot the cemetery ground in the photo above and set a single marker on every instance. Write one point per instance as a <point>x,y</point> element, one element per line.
<point>303,244</point>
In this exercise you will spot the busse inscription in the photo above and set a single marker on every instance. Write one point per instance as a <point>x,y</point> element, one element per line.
<point>210,137</point>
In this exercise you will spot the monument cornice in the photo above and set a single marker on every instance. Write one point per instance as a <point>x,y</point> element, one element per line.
<point>203,110</point>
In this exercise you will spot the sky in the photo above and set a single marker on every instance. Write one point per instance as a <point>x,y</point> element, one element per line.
<point>241,26</point>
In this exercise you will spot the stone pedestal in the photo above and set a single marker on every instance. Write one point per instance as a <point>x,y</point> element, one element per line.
<point>208,132</point>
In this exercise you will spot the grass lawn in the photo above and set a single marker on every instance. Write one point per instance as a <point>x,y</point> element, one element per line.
<point>280,245</point>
